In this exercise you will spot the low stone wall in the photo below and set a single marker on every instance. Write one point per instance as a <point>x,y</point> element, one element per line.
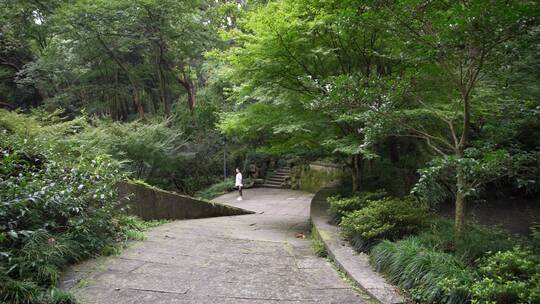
<point>151,203</point>
<point>356,265</point>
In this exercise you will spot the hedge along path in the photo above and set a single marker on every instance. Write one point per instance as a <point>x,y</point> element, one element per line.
<point>255,258</point>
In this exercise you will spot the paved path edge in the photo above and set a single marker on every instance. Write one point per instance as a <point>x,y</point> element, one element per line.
<point>355,265</point>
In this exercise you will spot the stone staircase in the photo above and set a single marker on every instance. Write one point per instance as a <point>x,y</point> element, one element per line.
<point>277,178</point>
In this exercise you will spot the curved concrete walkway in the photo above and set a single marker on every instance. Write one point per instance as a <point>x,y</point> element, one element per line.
<point>255,258</point>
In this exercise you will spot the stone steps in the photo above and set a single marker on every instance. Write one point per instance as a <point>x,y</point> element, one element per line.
<point>278,178</point>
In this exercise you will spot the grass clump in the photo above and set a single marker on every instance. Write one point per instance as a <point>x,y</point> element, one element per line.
<point>319,249</point>
<point>486,266</point>
<point>428,275</point>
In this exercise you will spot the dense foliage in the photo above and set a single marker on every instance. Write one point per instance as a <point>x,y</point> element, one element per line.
<point>430,275</point>
<point>112,57</point>
<point>430,101</point>
<point>387,218</point>
<point>121,61</point>
<point>447,75</point>
<point>58,205</point>
<point>342,206</point>
<point>508,277</point>
<point>417,251</point>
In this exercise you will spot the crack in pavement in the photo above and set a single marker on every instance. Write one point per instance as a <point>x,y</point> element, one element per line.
<point>156,291</point>
<point>265,299</point>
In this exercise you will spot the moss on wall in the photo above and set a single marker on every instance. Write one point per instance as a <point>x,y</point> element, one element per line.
<point>313,177</point>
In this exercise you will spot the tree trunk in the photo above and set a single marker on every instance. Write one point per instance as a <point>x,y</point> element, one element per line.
<point>138,104</point>
<point>123,67</point>
<point>191,97</point>
<point>461,201</point>
<point>163,89</point>
<point>461,205</point>
<point>356,171</point>
<point>393,149</point>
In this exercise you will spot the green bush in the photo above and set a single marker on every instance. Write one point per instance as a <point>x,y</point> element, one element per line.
<point>58,205</point>
<point>341,206</point>
<point>153,151</point>
<point>389,218</point>
<point>426,274</point>
<point>508,277</point>
<point>474,244</point>
<point>216,189</point>
<point>157,150</point>
<point>432,268</point>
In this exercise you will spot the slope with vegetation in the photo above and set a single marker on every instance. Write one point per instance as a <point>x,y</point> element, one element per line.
<point>431,101</point>
<point>58,205</point>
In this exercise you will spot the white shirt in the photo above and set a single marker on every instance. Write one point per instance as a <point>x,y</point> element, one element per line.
<point>238,180</point>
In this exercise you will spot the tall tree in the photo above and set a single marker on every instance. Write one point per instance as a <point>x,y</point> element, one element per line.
<point>385,68</point>
<point>291,51</point>
<point>451,45</point>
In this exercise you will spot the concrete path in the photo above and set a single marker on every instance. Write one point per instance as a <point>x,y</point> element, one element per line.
<point>254,258</point>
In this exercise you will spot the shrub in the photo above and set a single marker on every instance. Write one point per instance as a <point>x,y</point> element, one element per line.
<point>153,151</point>
<point>433,269</point>
<point>474,244</point>
<point>57,205</point>
<point>160,151</point>
<point>216,189</point>
<point>508,277</point>
<point>389,218</point>
<point>428,276</point>
<point>341,206</point>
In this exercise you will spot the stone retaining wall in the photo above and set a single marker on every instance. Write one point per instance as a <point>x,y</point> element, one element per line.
<point>355,265</point>
<point>313,177</point>
<point>150,203</point>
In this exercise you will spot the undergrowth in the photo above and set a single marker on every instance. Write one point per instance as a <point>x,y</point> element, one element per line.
<point>216,189</point>
<point>58,206</point>
<point>317,245</point>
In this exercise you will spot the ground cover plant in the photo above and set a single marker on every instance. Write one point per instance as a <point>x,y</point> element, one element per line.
<point>418,251</point>
<point>431,275</point>
<point>58,205</point>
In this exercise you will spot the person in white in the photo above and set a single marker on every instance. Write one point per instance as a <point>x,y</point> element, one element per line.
<point>238,183</point>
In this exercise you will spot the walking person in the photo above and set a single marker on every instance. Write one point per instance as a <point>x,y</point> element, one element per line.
<point>238,183</point>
